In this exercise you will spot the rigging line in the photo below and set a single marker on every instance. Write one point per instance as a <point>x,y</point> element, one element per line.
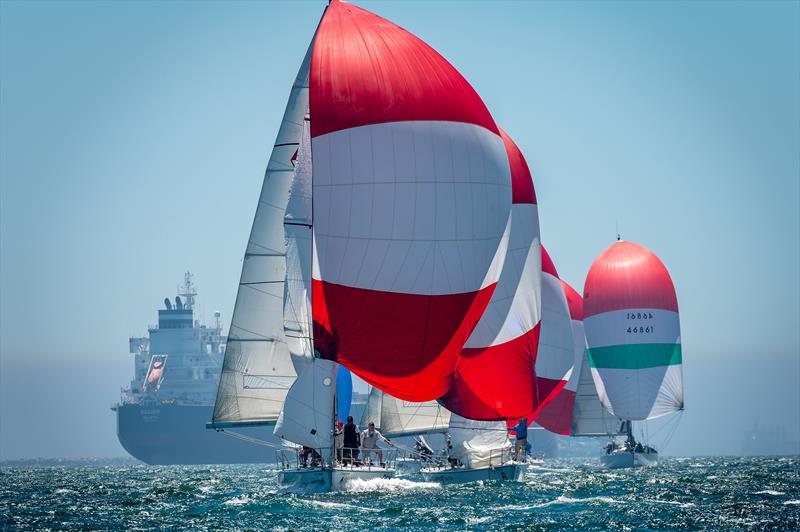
<point>251,439</point>
<point>285,144</point>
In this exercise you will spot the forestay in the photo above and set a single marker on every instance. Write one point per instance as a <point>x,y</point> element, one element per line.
<point>633,333</point>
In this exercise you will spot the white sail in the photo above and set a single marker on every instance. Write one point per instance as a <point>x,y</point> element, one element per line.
<point>590,418</point>
<point>297,324</point>
<point>257,371</point>
<point>477,443</point>
<point>307,415</point>
<point>395,417</point>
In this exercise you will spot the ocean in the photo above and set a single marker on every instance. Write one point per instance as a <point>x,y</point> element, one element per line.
<point>681,493</point>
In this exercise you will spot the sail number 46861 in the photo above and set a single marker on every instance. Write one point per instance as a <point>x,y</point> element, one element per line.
<point>640,316</point>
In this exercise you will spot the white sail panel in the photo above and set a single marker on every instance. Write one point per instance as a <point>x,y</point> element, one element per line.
<point>307,415</point>
<point>257,370</point>
<point>297,226</point>
<point>395,417</point>
<point>477,443</point>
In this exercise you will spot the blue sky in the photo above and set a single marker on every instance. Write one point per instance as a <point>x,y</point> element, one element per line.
<point>134,136</point>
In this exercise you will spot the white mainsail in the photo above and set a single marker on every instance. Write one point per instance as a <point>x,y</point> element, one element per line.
<point>395,417</point>
<point>477,443</point>
<point>257,371</point>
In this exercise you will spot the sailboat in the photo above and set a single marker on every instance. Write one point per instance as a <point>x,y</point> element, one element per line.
<point>378,241</point>
<point>634,349</point>
<point>477,451</point>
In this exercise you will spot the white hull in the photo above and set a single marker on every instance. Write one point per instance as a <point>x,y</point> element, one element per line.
<point>627,459</point>
<point>320,480</point>
<point>408,466</point>
<point>461,475</point>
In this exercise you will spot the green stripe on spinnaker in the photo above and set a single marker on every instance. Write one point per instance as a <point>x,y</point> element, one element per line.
<point>635,356</point>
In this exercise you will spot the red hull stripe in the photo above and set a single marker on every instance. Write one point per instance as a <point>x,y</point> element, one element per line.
<point>414,339</point>
<point>626,275</point>
<point>496,382</point>
<point>522,190</point>
<point>556,415</point>
<point>547,264</point>
<point>574,300</point>
<point>367,70</point>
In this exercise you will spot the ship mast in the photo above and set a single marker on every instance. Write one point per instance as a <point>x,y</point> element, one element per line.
<point>188,292</point>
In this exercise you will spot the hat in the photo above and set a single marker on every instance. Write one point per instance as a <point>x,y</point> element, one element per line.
<point>339,423</point>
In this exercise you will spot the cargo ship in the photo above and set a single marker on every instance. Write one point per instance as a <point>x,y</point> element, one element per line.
<point>162,414</point>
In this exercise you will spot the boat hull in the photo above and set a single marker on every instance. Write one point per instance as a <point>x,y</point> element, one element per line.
<point>461,475</point>
<point>320,480</point>
<point>627,460</point>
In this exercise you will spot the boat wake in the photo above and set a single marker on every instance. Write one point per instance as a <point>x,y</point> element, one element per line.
<point>391,485</point>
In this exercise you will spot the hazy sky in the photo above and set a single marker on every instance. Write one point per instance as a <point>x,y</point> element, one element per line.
<point>134,137</point>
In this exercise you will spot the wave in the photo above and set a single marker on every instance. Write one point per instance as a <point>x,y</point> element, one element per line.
<point>390,485</point>
<point>769,492</point>
<point>238,501</point>
<point>328,505</point>
<point>792,502</point>
<point>561,499</point>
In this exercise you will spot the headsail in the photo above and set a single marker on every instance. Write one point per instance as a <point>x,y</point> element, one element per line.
<point>556,414</point>
<point>494,378</point>
<point>395,417</point>
<point>556,355</point>
<point>412,194</point>
<point>633,333</point>
<point>257,371</point>
<point>476,443</point>
<point>590,418</point>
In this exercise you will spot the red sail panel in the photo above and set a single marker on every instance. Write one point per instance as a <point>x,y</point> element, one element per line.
<point>626,275</point>
<point>367,70</point>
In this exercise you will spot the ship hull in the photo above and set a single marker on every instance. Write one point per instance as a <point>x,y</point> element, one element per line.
<point>167,434</point>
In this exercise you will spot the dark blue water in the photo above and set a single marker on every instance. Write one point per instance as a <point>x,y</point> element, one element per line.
<point>711,493</point>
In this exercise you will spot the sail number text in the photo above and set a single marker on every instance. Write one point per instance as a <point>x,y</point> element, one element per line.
<point>640,329</point>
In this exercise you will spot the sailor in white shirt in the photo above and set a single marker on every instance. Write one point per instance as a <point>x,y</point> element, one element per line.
<point>369,443</point>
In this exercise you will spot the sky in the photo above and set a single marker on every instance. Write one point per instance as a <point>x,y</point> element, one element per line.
<point>134,137</point>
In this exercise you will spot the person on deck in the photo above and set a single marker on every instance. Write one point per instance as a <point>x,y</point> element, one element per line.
<point>369,442</point>
<point>351,441</point>
<point>338,440</point>
<point>521,431</point>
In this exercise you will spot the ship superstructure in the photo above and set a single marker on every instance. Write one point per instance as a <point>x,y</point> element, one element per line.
<point>180,359</point>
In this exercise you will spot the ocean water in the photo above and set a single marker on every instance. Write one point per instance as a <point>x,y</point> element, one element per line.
<point>682,493</point>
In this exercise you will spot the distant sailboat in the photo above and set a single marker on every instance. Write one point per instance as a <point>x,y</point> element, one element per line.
<point>633,337</point>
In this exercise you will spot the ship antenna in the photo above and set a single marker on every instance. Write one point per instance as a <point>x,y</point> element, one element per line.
<point>616,222</point>
<point>188,292</point>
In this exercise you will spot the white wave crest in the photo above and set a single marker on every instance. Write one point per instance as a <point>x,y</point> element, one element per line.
<point>238,501</point>
<point>769,492</point>
<point>390,485</point>
<point>338,506</point>
<point>792,502</point>
<point>64,491</point>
